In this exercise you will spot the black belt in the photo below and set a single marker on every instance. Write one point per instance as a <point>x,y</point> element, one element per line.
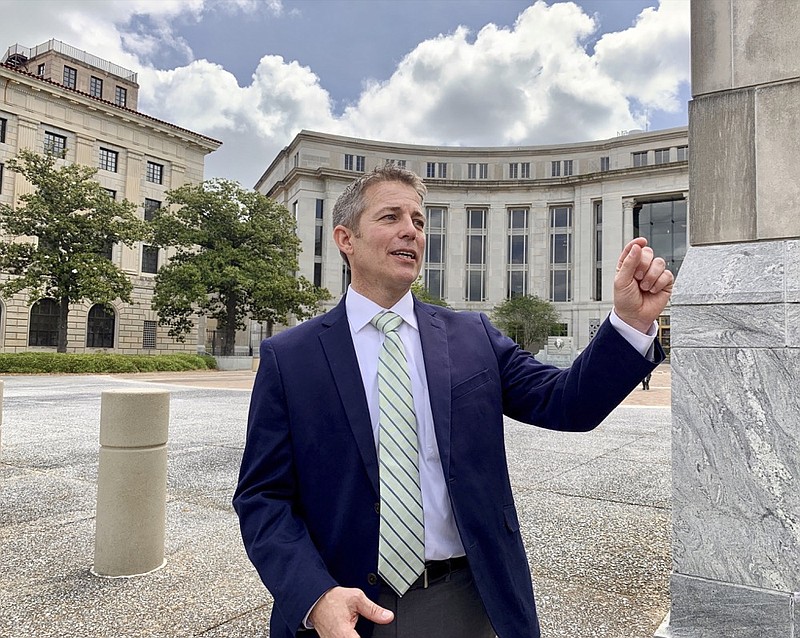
<point>436,570</point>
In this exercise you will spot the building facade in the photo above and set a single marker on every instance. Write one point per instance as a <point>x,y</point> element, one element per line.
<point>65,101</point>
<point>549,221</point>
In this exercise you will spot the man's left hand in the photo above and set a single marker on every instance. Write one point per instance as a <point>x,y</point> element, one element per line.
<point>642,285</point>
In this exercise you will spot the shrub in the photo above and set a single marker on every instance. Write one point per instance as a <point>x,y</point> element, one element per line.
<point>53,362</point>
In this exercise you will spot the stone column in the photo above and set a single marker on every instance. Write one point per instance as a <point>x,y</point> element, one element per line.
<point>736,332</point>
<point>131,482</point>
<point>627,220</point>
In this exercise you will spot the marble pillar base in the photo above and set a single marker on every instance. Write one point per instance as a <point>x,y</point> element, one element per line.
<point>736,442</point>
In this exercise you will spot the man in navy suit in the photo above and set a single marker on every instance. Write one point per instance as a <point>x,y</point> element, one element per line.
<point>308,495</point>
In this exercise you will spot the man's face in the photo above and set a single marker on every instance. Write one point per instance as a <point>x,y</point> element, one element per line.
<point>387,248</point>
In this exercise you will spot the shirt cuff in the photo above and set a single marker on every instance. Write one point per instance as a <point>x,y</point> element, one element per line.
<point>307,622</point>
<point>641,342</point>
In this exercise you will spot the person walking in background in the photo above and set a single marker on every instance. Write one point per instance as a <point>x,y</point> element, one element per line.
<point>646,381</point>
<point>374,497</point>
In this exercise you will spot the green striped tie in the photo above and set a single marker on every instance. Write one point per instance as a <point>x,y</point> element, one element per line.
<point>401,547</point>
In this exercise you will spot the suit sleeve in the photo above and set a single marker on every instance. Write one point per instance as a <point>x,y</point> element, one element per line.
<point>274,533</point>
<point>577,398</point>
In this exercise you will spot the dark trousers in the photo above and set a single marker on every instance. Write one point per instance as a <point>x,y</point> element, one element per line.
<point>450,607</point>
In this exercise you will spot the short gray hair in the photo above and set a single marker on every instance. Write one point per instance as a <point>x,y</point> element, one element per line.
<point>350,205</point>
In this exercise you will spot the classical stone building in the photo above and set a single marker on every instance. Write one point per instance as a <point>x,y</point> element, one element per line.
<point>60,99</point>
<point>543,220</point>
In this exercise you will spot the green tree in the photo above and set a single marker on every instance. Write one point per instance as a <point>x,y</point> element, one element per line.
<point>75,223</point>
<point>527,319</point>
<point>235,258</point>
<point>424,295</point>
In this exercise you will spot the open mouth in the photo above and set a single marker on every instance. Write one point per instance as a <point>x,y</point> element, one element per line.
<point>405,254</point>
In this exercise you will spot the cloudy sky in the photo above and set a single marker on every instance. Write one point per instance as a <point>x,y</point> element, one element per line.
<point>252,73</point>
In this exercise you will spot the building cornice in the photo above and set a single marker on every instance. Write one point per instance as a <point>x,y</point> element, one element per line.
<point>36,83</point>
<point>491,185</point>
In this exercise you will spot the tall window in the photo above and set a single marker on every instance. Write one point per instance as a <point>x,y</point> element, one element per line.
<point>347,276</point>
<point>436,169</point>
<point>40,69</point>
<point>639,159</point>
<point>477,171</point>
<point>662,155</point>
<point>55,144</point>
<point>108,159</point>
<point>663,224</point>
<point>95,87</point>
<point>121,96</point>
<point>3,125</point>
<point>44,323</point>
<point>70,77</point>
<point>100,327</point>
<point>517,265</point>
<point>605,163</point>
<point>519,170</point>
<point>561,253</point>
<point>435,237</point>
<point>476,254</point>
<point>555,169</point>
<point>149,334</point>
<point>567,168</point>
<point>683,153</point>
<point>155,173</point>
<point>597,251</point>
<point>318,228</point>
<point>150,259</point>
<point>2,166</point>
<point>354,163</point>
<point>150,208</point>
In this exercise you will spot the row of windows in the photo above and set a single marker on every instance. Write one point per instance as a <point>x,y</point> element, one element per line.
<point>100,326</point>
<point>522,170</point>
<point>70,80</point>
<point>108,159</point>
<point>662,223</point>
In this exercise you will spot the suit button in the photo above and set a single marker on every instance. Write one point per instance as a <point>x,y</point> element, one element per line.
<point>378,507</point>
<point>372,578</point>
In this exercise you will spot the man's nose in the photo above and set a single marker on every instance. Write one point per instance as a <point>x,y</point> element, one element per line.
<point>407,227</point>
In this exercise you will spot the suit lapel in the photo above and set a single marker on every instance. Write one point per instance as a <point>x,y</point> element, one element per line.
<point>338,346</point>
<point>437,369</point>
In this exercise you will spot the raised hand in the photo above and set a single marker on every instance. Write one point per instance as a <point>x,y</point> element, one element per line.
<point>642,285</point>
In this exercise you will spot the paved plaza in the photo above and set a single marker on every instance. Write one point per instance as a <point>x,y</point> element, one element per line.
<point>594,510</point>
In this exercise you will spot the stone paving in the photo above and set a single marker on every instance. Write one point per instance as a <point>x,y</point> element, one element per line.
<point>594,510</point>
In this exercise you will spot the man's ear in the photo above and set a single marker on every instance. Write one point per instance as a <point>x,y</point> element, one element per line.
<point>343,237</point>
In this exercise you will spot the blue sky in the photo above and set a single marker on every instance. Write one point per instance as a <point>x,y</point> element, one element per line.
<point>254,72</point>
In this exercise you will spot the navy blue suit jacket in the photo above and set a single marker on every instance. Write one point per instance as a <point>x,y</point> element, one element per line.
<point>308,488</point>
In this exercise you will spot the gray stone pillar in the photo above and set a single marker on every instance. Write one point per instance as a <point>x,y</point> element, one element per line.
<point>131,482</point>
<point>736,332</point>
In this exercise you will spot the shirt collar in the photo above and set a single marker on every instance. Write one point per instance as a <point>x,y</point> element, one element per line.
<point>361,310</point>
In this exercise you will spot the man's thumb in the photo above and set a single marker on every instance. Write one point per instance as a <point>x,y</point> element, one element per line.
<point>374,612</point>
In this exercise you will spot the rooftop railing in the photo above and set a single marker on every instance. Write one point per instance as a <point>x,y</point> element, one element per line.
<point>76,54</point>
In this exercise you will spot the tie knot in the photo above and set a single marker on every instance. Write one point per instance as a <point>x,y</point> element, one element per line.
<point>387,321</point>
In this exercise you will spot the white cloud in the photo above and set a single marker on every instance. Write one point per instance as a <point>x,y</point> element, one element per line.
<point>533,83</point>
<point>650,60</point>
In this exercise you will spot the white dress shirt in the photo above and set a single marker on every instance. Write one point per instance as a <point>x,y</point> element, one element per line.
<point>441,534</point>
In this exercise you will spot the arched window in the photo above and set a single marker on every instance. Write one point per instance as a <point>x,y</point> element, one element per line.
<point>100,327</point>
<point>44,323</point>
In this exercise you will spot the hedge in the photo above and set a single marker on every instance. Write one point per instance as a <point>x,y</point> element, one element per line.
<point>53,362</point>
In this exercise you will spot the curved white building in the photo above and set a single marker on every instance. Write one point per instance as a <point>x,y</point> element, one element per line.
<point>543,220</point>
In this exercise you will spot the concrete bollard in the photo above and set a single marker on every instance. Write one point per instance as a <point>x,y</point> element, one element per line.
<point>131,482</point>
